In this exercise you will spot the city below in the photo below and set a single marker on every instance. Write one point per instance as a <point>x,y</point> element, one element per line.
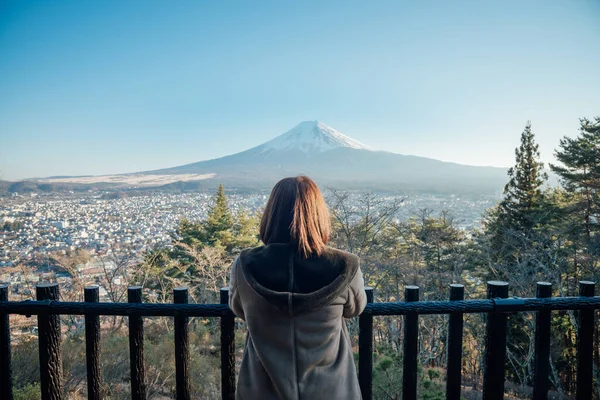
<point>35,226</point>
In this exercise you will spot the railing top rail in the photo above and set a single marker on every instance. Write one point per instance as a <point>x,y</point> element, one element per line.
<point>29,307</point>
<point>514,304</point>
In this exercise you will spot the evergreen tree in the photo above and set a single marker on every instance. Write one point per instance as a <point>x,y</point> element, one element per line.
<point>218,226</point>
<point>245,230</point>
<point>580,176</point>
<point>220,229</point>
<point>514,231</point>
<point>190,233</point>
<point>516,241</point>
<point>523,197</point>
<point>580,172</point>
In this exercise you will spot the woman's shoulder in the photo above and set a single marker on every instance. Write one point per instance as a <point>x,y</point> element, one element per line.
<point>340,255</point>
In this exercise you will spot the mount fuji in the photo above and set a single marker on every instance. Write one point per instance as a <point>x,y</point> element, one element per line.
<point>334,159</point>
<point>319,151</point>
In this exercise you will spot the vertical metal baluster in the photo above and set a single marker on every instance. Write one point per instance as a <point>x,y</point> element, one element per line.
<point>455,339</point>
<point>365,350</point>
<point>227,351</point>
<point>5,367</point>
<point>50,346</point>
<point>182,349</point>
<point>585,345</point>
<point>495,346</point>
<point>92,346</point>
<point>411,347</point>
<point>136,347</point>
<point>542,345</point>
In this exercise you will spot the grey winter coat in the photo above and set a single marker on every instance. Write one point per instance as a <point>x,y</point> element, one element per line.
<point>297,344</point>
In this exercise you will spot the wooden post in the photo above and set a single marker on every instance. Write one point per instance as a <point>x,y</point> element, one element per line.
<point>455,339</point>
<point>585,345</point>
<point>92,346</point>
<point>50,346</point>
<point>541,369</point>
<point>182,347</point>
<point>136,347</point>
<point>495,345</point>
<point>411,347</point>
<point>227,351</point>
<point>5,367</point>
<point>365,350</point>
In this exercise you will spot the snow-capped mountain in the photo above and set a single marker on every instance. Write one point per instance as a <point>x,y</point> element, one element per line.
<point>321,152</point>
<point>334,159</point>
<point>311,137</point>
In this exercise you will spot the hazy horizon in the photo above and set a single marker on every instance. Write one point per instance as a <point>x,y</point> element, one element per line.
<point>99,88</point>
<point>224,155</point>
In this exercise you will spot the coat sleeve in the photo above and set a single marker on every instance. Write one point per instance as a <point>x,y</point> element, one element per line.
<point>235,302</point>
<point>357,298</point>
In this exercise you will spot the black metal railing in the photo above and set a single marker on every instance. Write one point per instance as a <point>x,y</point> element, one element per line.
<point>496,306</point>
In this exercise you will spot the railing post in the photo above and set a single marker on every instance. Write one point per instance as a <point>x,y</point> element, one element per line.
<point>136,347</point>
<point>411,347</point>
<point>227,351</point>
<point>541,368</point>
<point>92,346</point>
<point>585,345</point>
<point>5,367</point>
<point>365,350</point>
<point>182,349</point>
<point>495,345</point>
<point>49,342</point>
<point>455,341</point>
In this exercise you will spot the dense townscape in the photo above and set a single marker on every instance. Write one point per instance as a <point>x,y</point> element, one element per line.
<point>34,225</point>
<point>35,228</point>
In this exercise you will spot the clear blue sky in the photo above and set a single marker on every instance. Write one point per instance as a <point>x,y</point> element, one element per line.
<point>99,87</point>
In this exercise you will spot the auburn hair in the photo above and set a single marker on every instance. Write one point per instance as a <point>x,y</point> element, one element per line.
<point>296,213</point>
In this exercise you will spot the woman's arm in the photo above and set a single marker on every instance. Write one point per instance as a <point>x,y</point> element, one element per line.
<point>357,298</point>
<point>235,303</point>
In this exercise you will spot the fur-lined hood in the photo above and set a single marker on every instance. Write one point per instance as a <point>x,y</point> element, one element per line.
<point>295,285</point>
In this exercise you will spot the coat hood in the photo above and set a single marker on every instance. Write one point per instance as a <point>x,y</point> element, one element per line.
<point>295,285</point>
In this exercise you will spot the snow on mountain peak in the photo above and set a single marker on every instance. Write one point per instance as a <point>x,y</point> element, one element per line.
<point>311,137</point>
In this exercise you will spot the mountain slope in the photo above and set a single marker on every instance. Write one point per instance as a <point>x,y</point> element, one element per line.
<point>331,158</point>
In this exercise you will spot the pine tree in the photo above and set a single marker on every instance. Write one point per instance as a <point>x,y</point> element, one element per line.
<point>580,176</point>
<point>216,230</point>
<point>245,230</point>
<point>218,226</point>
<point>523,196</point>
<point>516,237</point>
<point>219,217</point>
<point>580,172</point>
<point>514,231</point>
